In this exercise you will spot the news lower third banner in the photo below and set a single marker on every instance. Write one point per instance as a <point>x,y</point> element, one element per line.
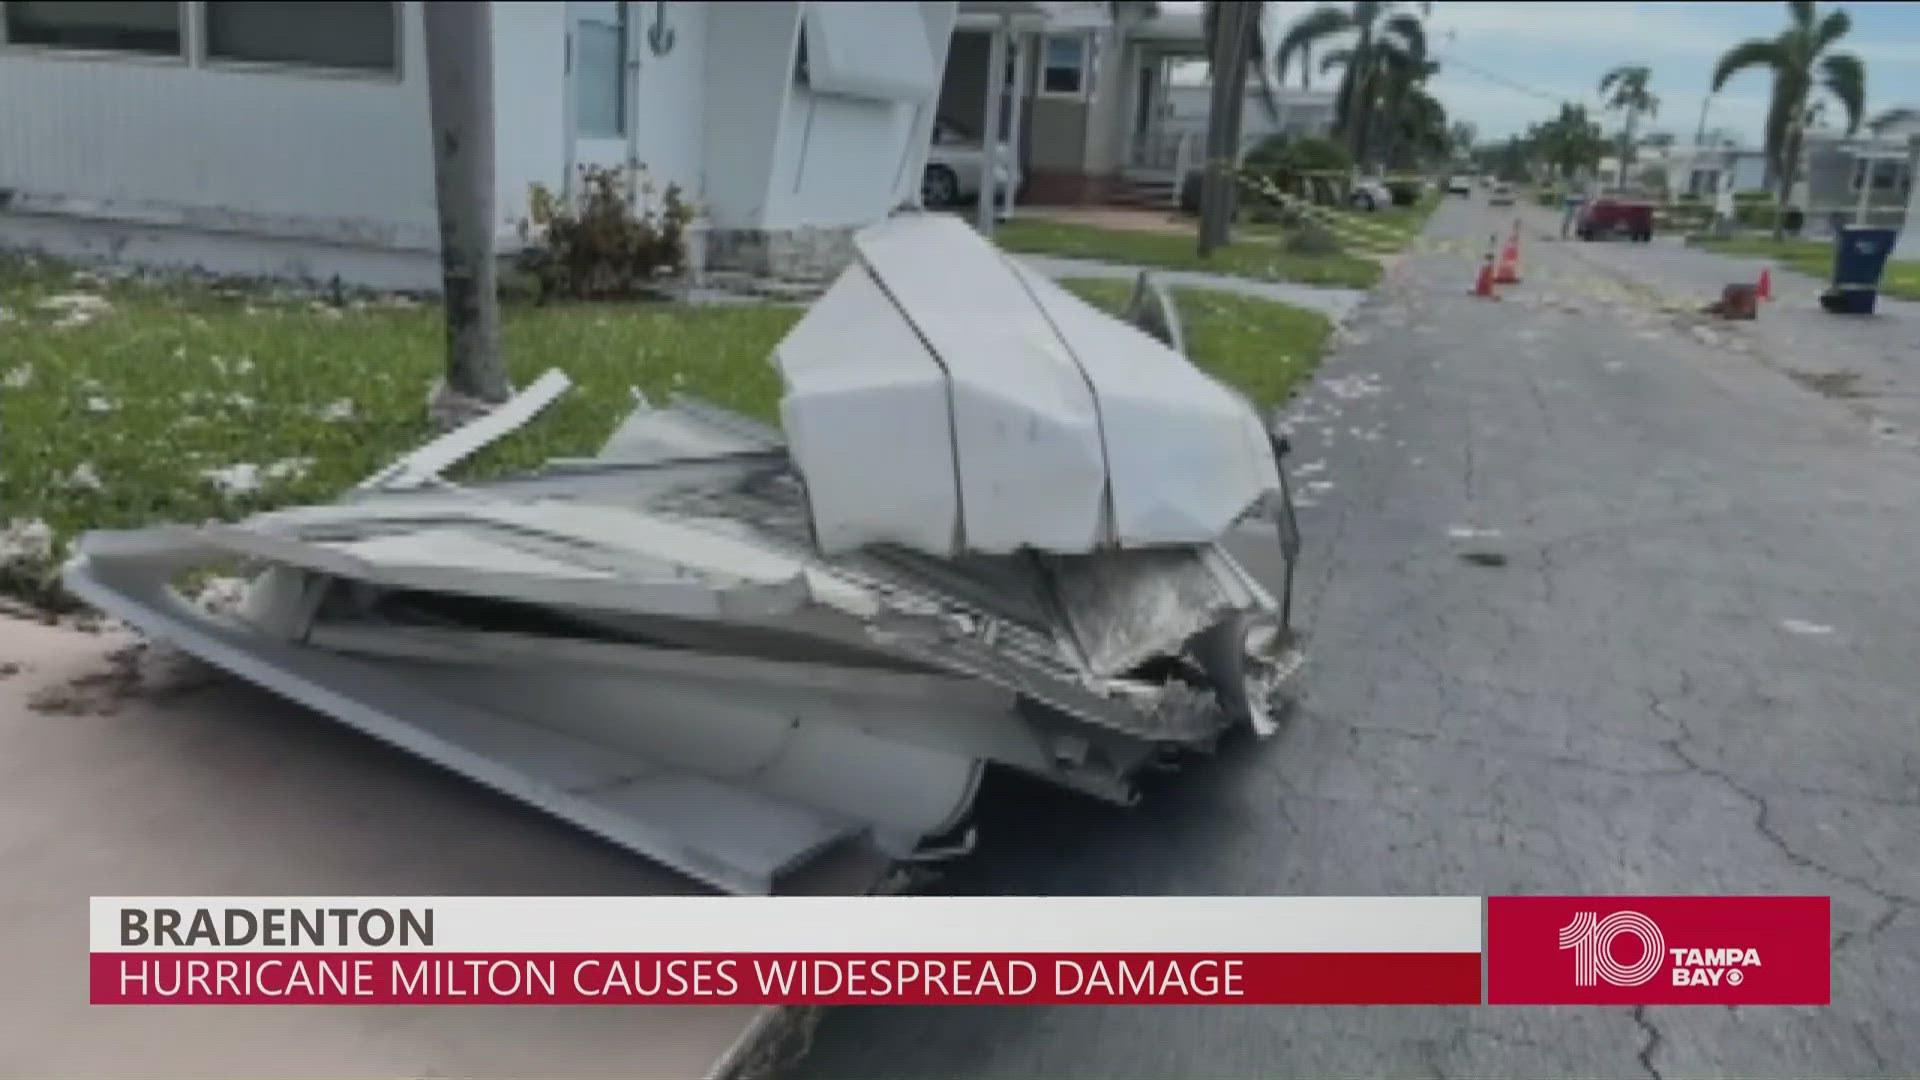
<point>925,950</point>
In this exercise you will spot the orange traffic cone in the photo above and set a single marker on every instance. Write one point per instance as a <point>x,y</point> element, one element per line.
<point>1509,273</point>
<point>1765,290</point>
<point>1483,285</point>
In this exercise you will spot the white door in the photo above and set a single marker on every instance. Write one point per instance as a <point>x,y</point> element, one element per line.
<point>602,85</point>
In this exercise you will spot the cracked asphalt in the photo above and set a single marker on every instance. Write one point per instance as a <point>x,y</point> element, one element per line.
<point>1603,599</point>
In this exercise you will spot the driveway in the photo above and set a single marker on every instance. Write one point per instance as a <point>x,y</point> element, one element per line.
<point>1605,599</point>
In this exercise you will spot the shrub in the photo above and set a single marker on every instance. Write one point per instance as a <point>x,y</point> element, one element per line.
<point>601,245</point>
<point>1269,152</point>
<point>1318,155</point>
<point>1405,193</point>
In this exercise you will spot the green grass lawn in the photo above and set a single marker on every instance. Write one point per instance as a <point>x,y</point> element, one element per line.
<point>1249,256</point>
<point>130,418</point>
<point>187,403</point>
<point>1814,258</point>
<point>1262,348</point>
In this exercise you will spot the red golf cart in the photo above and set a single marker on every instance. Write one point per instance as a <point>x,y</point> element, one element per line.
<point>1608,216</point>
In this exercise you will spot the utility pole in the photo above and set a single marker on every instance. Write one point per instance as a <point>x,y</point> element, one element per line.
<point>459,46</point>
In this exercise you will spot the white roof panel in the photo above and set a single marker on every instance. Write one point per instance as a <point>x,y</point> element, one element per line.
<point>938,365</point>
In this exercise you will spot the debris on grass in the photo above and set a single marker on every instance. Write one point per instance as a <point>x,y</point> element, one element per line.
<point>19,378</point>
<point>85,478</point>
<point>25,542</point>
<point>98,404</point>
<point>245,477</point>
<point>337,411</point>
<point>75,309</point>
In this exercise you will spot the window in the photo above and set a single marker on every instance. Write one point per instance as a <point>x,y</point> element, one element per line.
<point>142,26</point>
<point>1888,175</point>
<point>356,35</point>
<point>600,70</point>
<point>1063,67</point>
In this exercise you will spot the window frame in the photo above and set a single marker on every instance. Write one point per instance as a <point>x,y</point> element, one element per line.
<point>396,10</point>
<point>193,50</point>
<point>1083,83</point>
<point>183,56</point>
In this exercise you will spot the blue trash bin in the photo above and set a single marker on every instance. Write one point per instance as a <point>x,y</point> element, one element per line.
<point>1859,258</point>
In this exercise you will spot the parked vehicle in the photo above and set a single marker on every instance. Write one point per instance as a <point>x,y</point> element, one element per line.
<point>1608,216</point>
<point>955,163</point>
<point>1460,185</point>
<point>1502,195</point>
<point>1369,195</point>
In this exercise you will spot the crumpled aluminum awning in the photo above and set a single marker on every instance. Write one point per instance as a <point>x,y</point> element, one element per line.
<point>946,397</point>
<point>658,645</point>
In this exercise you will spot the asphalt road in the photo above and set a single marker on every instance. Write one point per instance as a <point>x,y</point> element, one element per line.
<point>1603,600</point>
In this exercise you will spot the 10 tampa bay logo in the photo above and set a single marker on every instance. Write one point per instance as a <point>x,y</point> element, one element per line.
<point>1592,941</point>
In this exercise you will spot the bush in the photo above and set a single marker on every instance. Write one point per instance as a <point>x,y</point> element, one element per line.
<point>1405,193</point>
<point>1318,155</point>
<point>601,246</point>
<point>1272,151</point>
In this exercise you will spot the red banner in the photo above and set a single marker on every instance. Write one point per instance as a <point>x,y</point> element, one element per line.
<point>1658,950</point>
<point>504,978</point>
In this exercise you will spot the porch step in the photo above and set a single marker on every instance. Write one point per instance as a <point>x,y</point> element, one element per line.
<point>1150,193</point>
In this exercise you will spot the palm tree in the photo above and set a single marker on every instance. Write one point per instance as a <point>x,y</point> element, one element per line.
<point>1374,25</point>
<point>1624,89</point>
<point>1400,67</point>
<point>1796,57</point>
<point>1568,142</point>
<point>459,48</point>
<point>1234,39</point>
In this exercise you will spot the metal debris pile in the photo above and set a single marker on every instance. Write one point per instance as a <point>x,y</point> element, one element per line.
<point>992,539</point>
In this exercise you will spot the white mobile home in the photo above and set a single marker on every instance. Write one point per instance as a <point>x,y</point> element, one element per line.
<point>292,139</point>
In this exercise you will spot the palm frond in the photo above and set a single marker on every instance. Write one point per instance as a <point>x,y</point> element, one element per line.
<point>1845,77</point>
<point>1754,52</point>
<point>1310,30</point>
<point>1411,33</point>
<point>1832,29</point>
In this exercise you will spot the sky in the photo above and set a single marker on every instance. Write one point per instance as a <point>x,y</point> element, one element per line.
<point>1558,51</point>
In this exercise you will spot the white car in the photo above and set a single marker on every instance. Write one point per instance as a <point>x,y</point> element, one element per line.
<point>1460,185</point>
<point>955,162</point>
<point>1369,195</point>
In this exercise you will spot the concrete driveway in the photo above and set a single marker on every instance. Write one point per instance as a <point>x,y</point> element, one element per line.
<point>218,788</point>
<point>1605,599</point>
